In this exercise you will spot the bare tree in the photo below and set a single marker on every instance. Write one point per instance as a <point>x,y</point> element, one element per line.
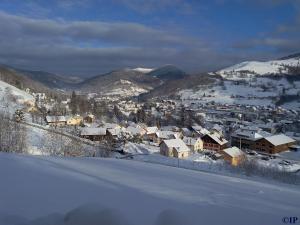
<point>13,135</point>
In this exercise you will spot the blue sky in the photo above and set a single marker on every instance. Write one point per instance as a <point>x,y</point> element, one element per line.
<point>89,37</point>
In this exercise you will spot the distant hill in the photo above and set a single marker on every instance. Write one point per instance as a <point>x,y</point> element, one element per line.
<point>133,82</point>
<point>296,55</point>
<point>162,81</point>
<point>172,87</point>
<point>168,72</point>
<point>51,80</point>
<point>249,69</point>
<point>124,82</point>
<point>21,81</point>
<point>117,82</point>
<point>252,83</point>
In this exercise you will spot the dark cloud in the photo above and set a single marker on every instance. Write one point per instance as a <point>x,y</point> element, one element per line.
<point>98,32</point>
<point>278,45</point>
<point>92,47</point>
<point>88,47</point>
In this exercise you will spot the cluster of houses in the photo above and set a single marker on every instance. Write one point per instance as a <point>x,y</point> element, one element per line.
<point>228,131</point>
<point>200,139</point>
<point>182,142</point>
<point>77,120</point>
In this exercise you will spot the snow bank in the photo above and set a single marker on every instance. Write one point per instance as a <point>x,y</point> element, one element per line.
<point>47,190</point>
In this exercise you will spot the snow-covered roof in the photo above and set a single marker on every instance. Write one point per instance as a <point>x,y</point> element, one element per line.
<point>252,133</point>
<point>169,128</point>
<point>200,130</point>
<point>52,119</point>
<point>135,130</point>
<point>89,131</point>
<point>217,127</point>
<point>286,121</point>
<point>218,139</point>
<point>190,141</point>
<point>166,134</point>
<point>247,134</point>
<point>279,139</point>
<point>186,131</point>
<point>151,130</point>
<point>115,131</point>
<point>177,144</point>
<point>110,125</point>
<point>73,117</point>
<point>197,128</point>
<point>234,151</point>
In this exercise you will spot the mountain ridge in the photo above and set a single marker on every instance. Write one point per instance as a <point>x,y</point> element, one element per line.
<point>149,82</point>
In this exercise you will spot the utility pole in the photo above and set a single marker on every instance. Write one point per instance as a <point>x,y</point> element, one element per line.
<point>240,143</point>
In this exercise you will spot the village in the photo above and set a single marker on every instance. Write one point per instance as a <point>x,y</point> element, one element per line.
<point>175,129</point>
<point>149,112</point>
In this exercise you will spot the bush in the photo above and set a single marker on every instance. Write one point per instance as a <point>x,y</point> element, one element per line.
<point>250,167</point>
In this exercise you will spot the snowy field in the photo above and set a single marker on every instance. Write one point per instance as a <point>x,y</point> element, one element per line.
<point>39,142</point>
<point>88,191</point>
<point>250,83</point>
<point>260,68</point>
<point>259,92</point>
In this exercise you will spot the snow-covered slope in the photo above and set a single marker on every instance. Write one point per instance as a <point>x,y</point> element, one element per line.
<point>261,91</point>
<point>4,87</point>
<point>12,98</point>
<point>259,68</point>
<point>143,70</point>
<point>125,88</point>
<point>253,83</point>
<point>90,191</point>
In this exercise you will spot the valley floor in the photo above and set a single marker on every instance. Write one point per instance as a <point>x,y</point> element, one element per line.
<point>49,190</point>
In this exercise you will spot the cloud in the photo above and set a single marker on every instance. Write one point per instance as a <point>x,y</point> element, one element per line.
<point>84,31</point>
<point>278,45</point>
<point>89,47</point>
<point>93,47</point>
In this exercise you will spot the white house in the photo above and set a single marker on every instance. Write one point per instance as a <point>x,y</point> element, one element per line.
<point>174,148</point>
<point>195,144</point>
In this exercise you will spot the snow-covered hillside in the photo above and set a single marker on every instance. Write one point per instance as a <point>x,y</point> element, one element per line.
<point>4,87</point>
<point>84,191</point>
<point>253,68</point>
<point>125,88</point>
<point>13,98</point>
<point>260,91</point>
<point>252,83</point>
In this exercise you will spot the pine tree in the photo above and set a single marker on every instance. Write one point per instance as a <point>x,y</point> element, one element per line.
<point>74,103</point>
